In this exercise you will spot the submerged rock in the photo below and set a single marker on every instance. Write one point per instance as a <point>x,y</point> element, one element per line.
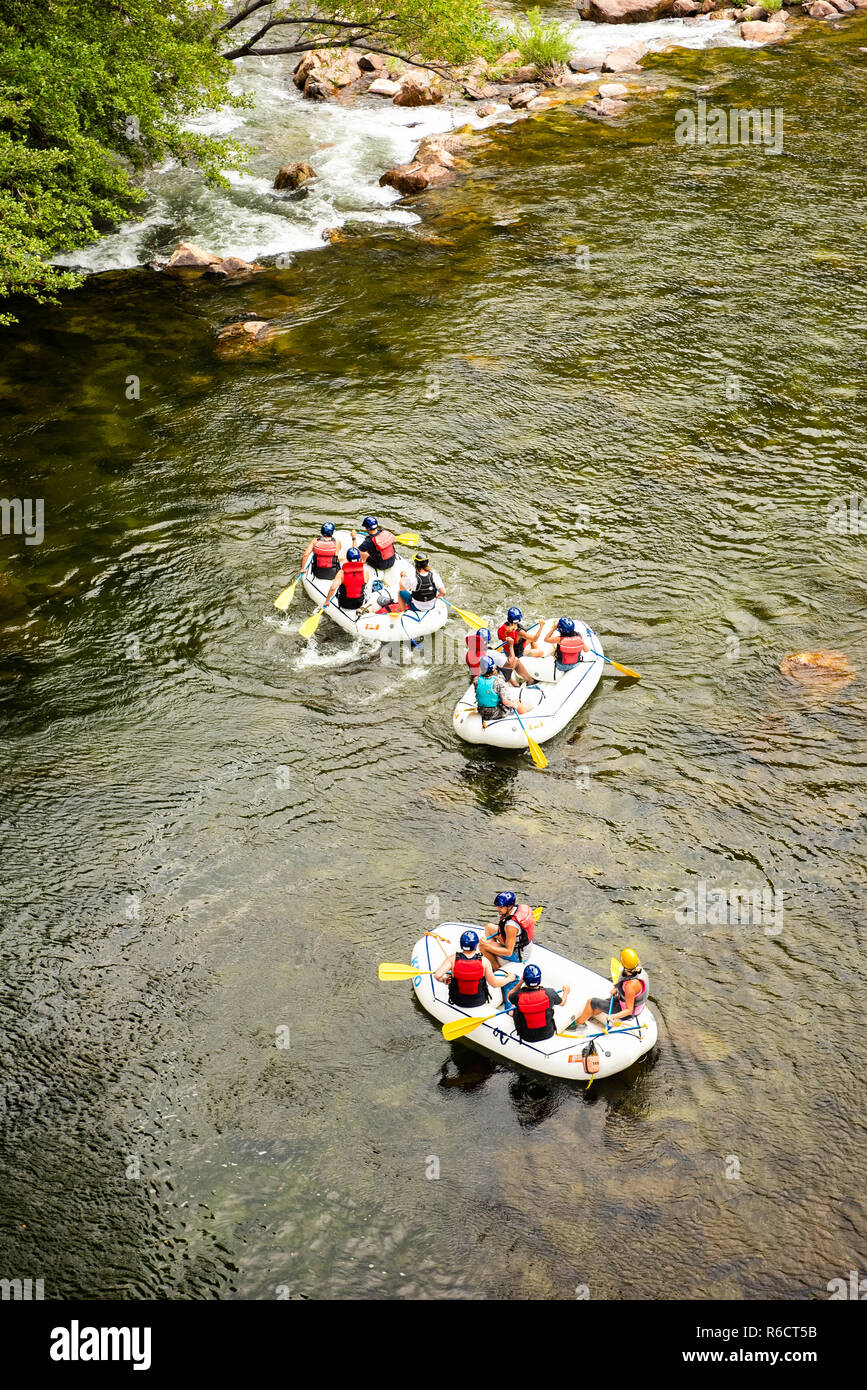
<point>238,337</point>
<point>822,667</point>
<point>294,175</point>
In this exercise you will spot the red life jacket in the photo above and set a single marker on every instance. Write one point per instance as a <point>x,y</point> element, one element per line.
<point>353,578</point>
<point>534,1005</point>
<point>518,643</point>
<point>475,648</point>
<point>384,542</point>
<point>467,986</point>
<point>324,552</point>
<point>570,650</point>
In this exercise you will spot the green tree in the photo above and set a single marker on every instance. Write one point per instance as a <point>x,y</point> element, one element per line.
<point>94,91</point>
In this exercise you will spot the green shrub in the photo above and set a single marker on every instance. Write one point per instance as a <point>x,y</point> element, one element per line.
<point>545,45</point>
<point>772,5</point>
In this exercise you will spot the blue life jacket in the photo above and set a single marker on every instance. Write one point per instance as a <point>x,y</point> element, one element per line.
<point>486,694</point>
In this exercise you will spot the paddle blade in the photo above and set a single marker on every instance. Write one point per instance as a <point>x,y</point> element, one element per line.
<point>536,753</point>
<point>625,669</point>
<point>537,912</point>
<point>309,626</point>
<point>472,618</point>
<point>389,971</point>
<point>282,601</point>
<point>461,1026</point>
<point>615,968</point>
<point>410,538</point>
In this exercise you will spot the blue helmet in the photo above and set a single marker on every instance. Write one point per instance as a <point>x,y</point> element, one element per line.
<point>487,663</point>
<point>507,899</point>
<point>328,528</point>
<point>566,626</point>
<point>514,615</point>
<point>369,523</point>
<point>469,940</point>
<point>532,975</point>
<point>353,553</point>
<point>484,633</point>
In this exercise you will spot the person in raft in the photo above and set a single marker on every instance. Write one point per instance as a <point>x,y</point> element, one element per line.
<point>477,647</point>
<point>516,640</point>
<point>628,997</point>
<point>534,1006</point>
<point>513,933</point>
<point>568,643</point>
<point>470,976</point>
<point>350,582</point>
<point>377,546</point>
<point>428,587</point>
<point>325,551</point>
<point>490,691</point>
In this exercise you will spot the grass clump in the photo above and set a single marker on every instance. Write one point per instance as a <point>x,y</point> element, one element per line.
<point>544,45</point>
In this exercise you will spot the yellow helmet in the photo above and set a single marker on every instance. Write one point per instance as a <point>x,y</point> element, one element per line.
<point>629,960</point>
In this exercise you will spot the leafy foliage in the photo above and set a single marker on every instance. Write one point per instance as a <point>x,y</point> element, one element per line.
<point>546,45</point>
<point>91,92</point>
<point>94,91</point>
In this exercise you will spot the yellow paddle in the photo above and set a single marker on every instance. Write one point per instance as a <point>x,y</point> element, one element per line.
<point>459,1026</point>
<point>309,626</point>
<point>535,751</point>
<point>616,664</point>
<point>472,618</point>
<point>389,971</point>
<point>282,601</point>
<point>409,538</point>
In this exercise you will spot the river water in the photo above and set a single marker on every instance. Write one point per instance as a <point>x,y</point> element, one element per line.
<point>213,831</point>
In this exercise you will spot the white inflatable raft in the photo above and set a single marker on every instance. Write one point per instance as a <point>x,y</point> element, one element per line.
<point>557,1056</point>
<point>550,708</point>
<point>366,622</point>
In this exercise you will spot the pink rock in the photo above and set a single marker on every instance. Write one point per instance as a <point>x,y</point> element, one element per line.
<point>629,11</point>
<point>624,59</point>
<point>608,106</point>
<point>186,256</point>
<point>757,32</point>
<point>820,9</point>
<point>415,90</point>
<point>613,89</point>
<point>683,8</point>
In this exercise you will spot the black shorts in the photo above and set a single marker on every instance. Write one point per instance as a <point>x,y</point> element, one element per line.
<point>326,574</point>
<point>376,562</point>
<point>345,602</point>
<point>601,1005</point>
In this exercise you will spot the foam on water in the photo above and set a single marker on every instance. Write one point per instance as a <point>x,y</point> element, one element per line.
<point>349,146</point>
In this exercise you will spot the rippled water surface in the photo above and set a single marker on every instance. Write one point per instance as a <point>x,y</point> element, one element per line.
<point>213,832</point>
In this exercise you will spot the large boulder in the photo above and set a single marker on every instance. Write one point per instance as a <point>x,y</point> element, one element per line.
<point>294,175</point>
<point>629,11</point>
<point>382,87</point>
<point>762,33</point>
<point>371,62</point>
<point>820,10</point>
<point>416,89</point>
<point>624,59</point>
<point>682,9</point>
<point>186,256</point>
